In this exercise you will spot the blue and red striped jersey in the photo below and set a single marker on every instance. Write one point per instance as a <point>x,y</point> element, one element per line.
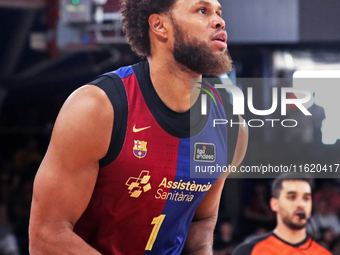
<point>145,199</point>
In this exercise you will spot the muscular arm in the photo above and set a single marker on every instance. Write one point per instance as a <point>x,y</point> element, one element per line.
<point>200,235</point>
<point>68,173</point>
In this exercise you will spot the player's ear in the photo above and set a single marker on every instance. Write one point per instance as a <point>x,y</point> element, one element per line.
<point>159,25</point>
<point>274,204</point>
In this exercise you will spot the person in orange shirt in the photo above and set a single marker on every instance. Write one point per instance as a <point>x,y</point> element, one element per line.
<point>292,202</point>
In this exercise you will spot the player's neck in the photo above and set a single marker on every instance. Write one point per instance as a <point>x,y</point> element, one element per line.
<point>289,235</point>
<point>174,84</point>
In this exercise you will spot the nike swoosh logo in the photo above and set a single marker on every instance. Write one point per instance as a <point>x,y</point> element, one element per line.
<point>136,130</point>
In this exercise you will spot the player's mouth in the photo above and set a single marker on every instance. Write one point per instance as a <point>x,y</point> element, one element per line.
<point>301,215</point>
<point>220,39</point>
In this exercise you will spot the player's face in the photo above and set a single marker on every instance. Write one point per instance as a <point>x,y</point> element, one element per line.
<point>200,37</point>
<point>295,198</point>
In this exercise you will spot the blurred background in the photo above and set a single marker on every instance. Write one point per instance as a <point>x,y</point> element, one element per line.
<point>48,48</point>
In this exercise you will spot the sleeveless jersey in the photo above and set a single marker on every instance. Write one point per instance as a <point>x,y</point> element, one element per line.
<point>144,199</point>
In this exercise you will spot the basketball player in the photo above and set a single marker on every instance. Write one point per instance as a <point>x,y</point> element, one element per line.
<point>292,203</point>
<point>116,176</point>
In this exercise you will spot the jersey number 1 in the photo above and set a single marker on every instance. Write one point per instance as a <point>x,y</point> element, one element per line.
<point>157,221</point>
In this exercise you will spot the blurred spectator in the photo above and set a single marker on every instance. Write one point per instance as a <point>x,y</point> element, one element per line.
<point>27,155</point>
<point>336,248</point>
<point>8,242</point>
<point>5,183</point>
<point>225,240</point>
<point>331,195</point>
<point>257,212</point>
<point>323,219</point>
<point>26,161</point>
<point>19,207</point>
<point>328,239</point>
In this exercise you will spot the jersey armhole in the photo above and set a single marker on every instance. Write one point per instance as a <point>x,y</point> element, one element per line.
<point>114,88</point>
<point>232,135</point>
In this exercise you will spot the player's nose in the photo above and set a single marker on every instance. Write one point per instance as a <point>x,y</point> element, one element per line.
<point>301,203</point>
<point>217,22</point>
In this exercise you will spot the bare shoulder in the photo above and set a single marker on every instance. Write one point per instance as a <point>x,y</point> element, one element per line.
<point>86,117</point>
<point>67,175</point>
<point>88,98</point>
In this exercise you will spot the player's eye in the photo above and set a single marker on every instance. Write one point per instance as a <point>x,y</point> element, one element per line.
<point>291,197</point>
<point>202,10</point>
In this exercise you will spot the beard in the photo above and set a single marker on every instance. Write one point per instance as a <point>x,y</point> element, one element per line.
<point>197,56</point>
<point>290,224</point>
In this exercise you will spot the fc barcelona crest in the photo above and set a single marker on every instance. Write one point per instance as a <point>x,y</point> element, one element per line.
<point>139,149</point>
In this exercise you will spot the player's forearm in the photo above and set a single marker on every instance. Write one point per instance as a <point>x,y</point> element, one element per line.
<point>65,242</point>
<point>200,237</point>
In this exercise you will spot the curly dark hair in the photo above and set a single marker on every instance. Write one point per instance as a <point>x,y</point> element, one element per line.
<point>135,19</point>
